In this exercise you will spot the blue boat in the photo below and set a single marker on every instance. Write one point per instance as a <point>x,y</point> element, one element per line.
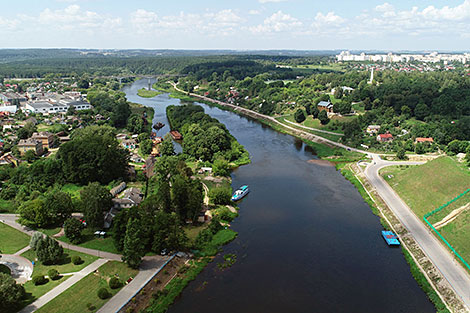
<point>390,238</point>
<point>240,193</point>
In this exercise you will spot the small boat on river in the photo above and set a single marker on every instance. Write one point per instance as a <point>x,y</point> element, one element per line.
<point>158,125</point>
<point>240,193</point>
<point>390,238</point>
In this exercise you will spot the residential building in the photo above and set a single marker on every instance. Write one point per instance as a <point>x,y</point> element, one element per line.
<point>132,197</point>
<point>373,129</point>
<point>176,135</point>
<point>385,137</point>
<point>130,144</point>
<point>118,189</point>
<point>30,144</point>
<point>424,140</point>
<point>46,138</point>
<point>9,158</point>
<point>325,106</point>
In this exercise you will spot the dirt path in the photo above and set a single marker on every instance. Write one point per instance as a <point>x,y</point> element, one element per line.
<point>451,216</point>
<point>206,194</point>
<point>231,208</point>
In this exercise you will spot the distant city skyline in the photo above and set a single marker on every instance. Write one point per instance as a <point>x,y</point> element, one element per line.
<point>242,25</point>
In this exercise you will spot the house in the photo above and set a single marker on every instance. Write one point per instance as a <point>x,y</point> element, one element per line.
<point>176,135</point>
<point>132,197</point>
<point>136,158</point>
<point>373,129</point>
<point>118,189</point>
<point>9,158</point>
<point>424,140</point>
<point>121,136</point>
<point>205,170</point>
<point>46,138</point>
<point>108,218</point>
<point>325,106</point>
<point>30,144</point>
<point>130,144</point>
<point>385,137</point>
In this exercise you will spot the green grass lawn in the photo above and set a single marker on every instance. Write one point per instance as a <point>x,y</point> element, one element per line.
<point>73,190</point>
<point>65,266</point>
<point>144,93</point>
<point>91,242</point>
<point>457,234</point>
<point>427,187</point>
<point>12,240</point>
<point>35,292</point>
<point>76,298</point>
<point>49,231</point>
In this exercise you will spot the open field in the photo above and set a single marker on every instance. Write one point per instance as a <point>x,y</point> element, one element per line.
<point>12,240</point>
<point>91,242</point>
<point>427,187</point>
<point>83,294</point>
<point>35,292</point>
<point>73,190</point>
<point>66,266</point>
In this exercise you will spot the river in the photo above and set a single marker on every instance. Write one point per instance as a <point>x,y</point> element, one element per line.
<point>307,241</point>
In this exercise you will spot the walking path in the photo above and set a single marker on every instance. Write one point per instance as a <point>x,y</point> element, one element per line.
<point>453,272</point>
<point>63,286</point>
<point>451,216</point>
<point>21,268</point>
<point>11,220</point>
<point>149,268</point>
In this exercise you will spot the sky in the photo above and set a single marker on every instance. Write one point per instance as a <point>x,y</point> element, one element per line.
<point>239,25</point>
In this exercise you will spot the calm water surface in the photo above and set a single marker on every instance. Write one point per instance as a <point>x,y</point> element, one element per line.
<point>307,240</point>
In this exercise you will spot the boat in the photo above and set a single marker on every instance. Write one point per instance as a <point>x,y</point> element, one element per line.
<point>390,238</point>
<point>240,193</point>
<point>158,126</point>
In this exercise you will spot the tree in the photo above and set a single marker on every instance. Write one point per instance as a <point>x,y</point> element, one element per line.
<point>420,148</point>
<point>421,111</point>
<point>323,117</point>
<point>168,233</point>
<point>60,205</point>
<point>93,154</point>
<point>83,84</point>
<point>401,154</point>
<point>30,156</point>
<point>11,293</point>
<point>34,213</point>
<point>49,251</point>
<point>221,167</point>
<point>314,110</point>
<point>299,116</point>
<point>135,124</point>
<point>35,238</point>
<point>166,147</point>
<point>95,199</point>
<point>73,230</point>
<point>146,146</point>
<point>133,248</point>
<point>220,195</point>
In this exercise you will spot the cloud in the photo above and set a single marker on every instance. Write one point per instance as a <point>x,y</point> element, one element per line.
<point>278,22</point>
<point>329,18</point>
<point>254,12</point>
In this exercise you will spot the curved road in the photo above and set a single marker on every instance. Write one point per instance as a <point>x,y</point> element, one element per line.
<point>455,274</point>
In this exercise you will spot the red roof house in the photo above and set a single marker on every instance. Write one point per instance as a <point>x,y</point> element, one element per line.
<point>385,137</point>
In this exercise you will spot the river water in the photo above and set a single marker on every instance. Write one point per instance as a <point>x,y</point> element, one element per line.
<point>307,241</point>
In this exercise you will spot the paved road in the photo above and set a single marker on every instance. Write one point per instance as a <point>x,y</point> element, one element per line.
<point>315,129</point>
<point>148,269</point>
<point>63,286</point>
<point>11,220</point>
<point>455,274</point>
<point>21,268</point>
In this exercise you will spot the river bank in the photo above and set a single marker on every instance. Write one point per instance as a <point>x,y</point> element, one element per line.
<point>342,158</point>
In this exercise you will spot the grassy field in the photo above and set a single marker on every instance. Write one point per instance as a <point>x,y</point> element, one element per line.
<point>65,266</point>
<point>76,298</point>
<point>12,240</point>
<point>144,93</point>
<point>327,67</point>
<point>34,292</point>
<point>73,190</point>
<point>315,123</point>
<point>91,242</point>
<point>426,187</point>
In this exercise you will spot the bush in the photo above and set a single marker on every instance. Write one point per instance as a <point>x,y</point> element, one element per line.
<point>39,280</point>
<point>103,293</point>
<point>73,230</point>
<point>53,274</point>
<point>299,116</point>
<point>49,251</point>
<point>114,283</point>
<point>220,195</point>
<point>35,238</point>
<point>77,260</point>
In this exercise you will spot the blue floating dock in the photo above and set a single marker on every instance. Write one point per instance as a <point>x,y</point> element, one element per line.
<point>390,238</point>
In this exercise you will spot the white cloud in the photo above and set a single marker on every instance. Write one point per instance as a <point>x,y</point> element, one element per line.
<point>254,12</point>
<point>278,22</point>
<point>386,7</point>
<point>329,18</point>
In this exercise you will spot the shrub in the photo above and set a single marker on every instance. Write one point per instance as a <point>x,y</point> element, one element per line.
<point>90,306</point>
<point>220,195</point>
<point>39,280</point>
<point>53,274</point>
<point>49,251</point>
<point>103,293</point>
<point>114,283</point>
<point>73,230</point>
<point>77,260</point>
